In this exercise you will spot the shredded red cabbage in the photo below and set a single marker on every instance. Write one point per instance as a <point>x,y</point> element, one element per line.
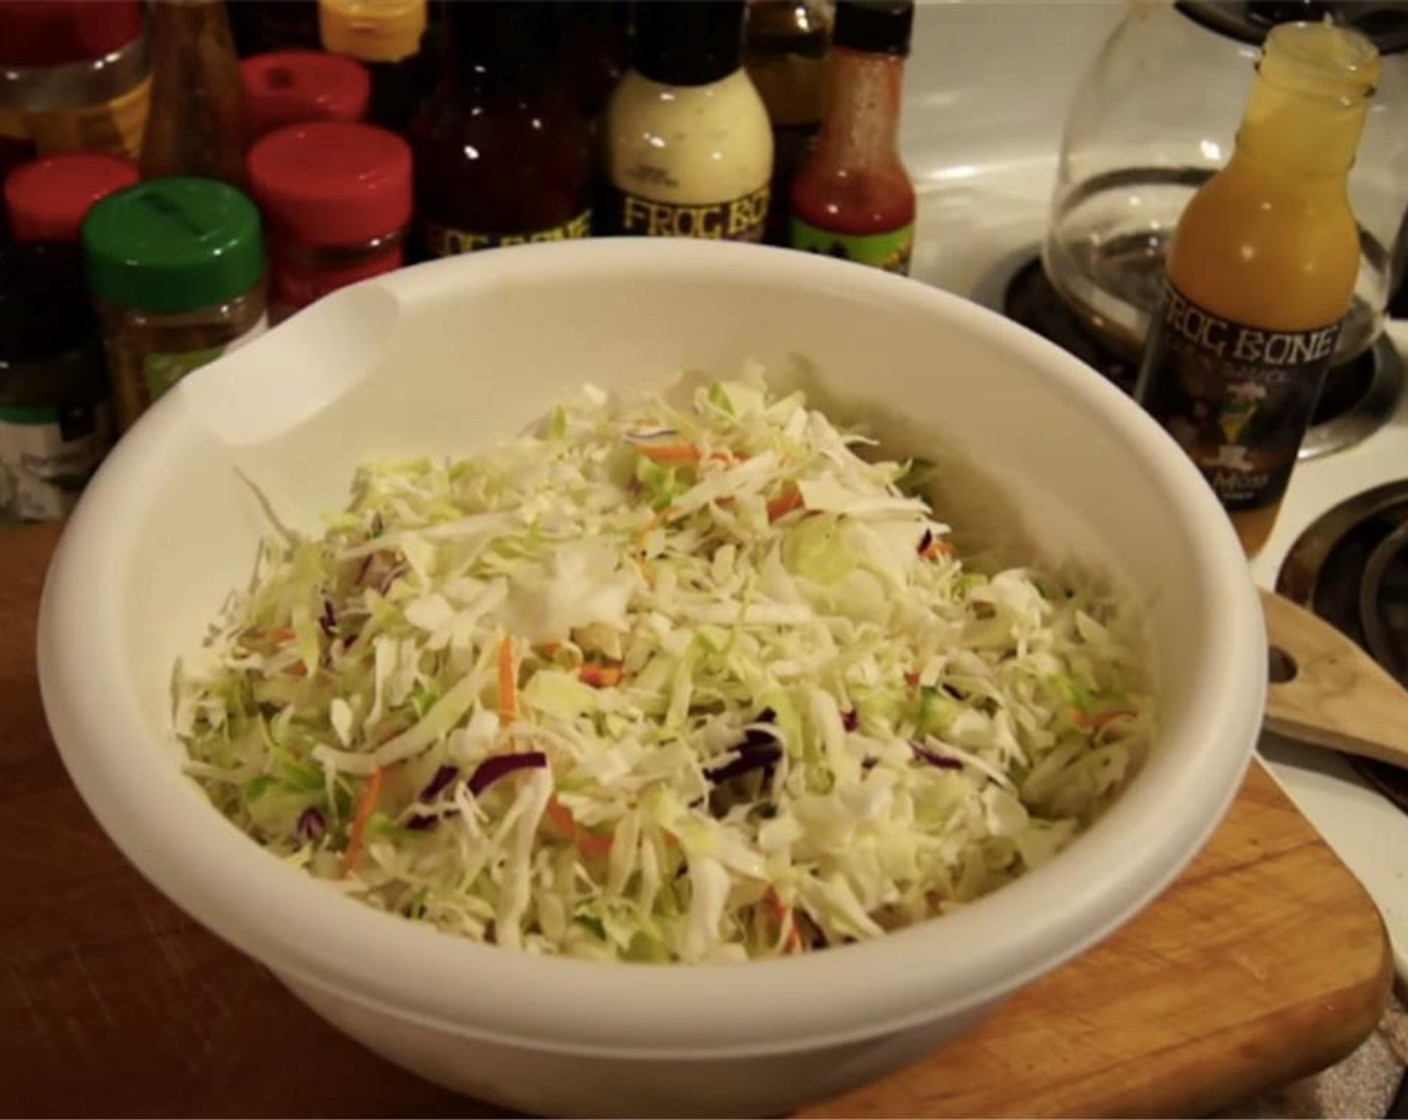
<point>310,826</point>
<point>759,751</point>
<point>933,758</point>
<point>492,769</point>
<point>443,777</point>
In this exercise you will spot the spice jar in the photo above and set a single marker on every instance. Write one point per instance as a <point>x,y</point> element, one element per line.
<point>336,199</point>
<point>292,87</point>
<point>49,198</point>
<point>176,268</point>
<point>74,74</point>
<point>55,424</point>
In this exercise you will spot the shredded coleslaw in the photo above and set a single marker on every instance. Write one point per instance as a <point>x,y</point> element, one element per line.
<point>660,684</point>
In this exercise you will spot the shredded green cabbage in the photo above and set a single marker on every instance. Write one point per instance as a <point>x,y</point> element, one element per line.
<point>763,706</point>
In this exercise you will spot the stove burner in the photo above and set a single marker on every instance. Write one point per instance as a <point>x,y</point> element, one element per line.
<point>1351,568</point>
<point>1357,401</point>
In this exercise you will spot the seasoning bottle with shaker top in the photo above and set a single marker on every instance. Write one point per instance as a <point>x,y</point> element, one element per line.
<point>786,52</point>
<point>336,200</point>
<point>1260,275</point>
<point>294,87</point>
<point>49,198</point>
<point>502,152</point>
<point>854,199</point>
<point>688,141</point>
<point>199,123</point>
<point>176,268</point>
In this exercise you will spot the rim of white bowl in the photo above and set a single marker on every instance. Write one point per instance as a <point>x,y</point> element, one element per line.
<point>314,936</point>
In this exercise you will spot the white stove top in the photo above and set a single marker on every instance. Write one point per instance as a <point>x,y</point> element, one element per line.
<point>984,193</point>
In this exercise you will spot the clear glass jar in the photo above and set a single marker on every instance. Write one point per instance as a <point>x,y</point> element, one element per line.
<point>148,352</point>
<point>1154,118</point>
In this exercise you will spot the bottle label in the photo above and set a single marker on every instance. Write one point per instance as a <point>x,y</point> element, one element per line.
<point>1237,398</point>
<point>890,251</point>
<point>443,241</point>
<point>114,127</point>
<point>47,455</point>
<point>161,370</point>
<point>738,219</point>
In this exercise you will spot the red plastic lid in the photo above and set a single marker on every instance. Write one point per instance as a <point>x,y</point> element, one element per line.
<point>49,198</point>
<point>291,87</point>
<point>54,32</point>
<point>330,183</point>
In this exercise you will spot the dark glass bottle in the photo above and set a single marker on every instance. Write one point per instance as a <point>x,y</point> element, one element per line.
<point>785,52</point>
<point>502,153</point>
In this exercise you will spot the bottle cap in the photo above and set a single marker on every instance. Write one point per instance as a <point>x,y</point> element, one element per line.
<point>689,44</point>
<point>372,30</point>
<point>42,33</point>
<point>874,26</point>
<point>49,198</point>
<point>329,183</point>
<point>170,245</point>
<point>508,34</point>
<point>291,87</point>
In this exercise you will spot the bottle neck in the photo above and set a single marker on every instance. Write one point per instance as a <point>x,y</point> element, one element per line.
<point>502,48</point>
<point>1300,134</point>
<point>862,117</point>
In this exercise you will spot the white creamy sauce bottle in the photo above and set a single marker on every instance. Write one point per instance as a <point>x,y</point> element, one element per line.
<point>688,140</point>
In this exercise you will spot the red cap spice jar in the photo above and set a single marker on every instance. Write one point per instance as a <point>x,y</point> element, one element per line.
<point>336,199</point>
<point>49,198</point>
<point>295,87</point>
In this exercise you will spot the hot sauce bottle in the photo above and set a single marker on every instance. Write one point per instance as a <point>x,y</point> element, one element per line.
<point>1261,271</point>
<point>853,198</point>
<point>502,153</point>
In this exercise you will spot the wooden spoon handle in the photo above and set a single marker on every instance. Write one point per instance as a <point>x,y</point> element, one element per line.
<point>1336,694</point>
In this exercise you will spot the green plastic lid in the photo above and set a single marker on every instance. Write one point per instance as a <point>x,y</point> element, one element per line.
<point>172,245</point>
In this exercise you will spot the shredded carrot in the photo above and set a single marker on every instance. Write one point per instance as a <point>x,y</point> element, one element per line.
<point>282,634</point>
<point>785,503</point>
<point>669,452</point>
<point>937,548</point>
<point>366,804</point>
<point>783,914</point>
<point>1101,719</point>
<point>912,679</point>
<point>561,817</point>
<point>588,843</point>
<point>599,676</point>
<point>508,683</point>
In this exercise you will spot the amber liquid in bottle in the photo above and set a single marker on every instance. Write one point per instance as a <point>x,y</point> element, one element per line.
<point>1260,275</point>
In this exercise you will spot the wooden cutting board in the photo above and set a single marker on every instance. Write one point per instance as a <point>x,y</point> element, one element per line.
<point>1264,962</point>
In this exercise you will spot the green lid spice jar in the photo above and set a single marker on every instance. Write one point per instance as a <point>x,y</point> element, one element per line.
<point>176,267</point>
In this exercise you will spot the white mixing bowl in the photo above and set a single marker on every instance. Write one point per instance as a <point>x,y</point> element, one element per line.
<point>450,356</point>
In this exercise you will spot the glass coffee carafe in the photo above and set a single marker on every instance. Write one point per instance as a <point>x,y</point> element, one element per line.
<point>1156,116</point>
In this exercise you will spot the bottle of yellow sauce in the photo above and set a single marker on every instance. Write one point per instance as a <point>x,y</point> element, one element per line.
<point>1261,272</point>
